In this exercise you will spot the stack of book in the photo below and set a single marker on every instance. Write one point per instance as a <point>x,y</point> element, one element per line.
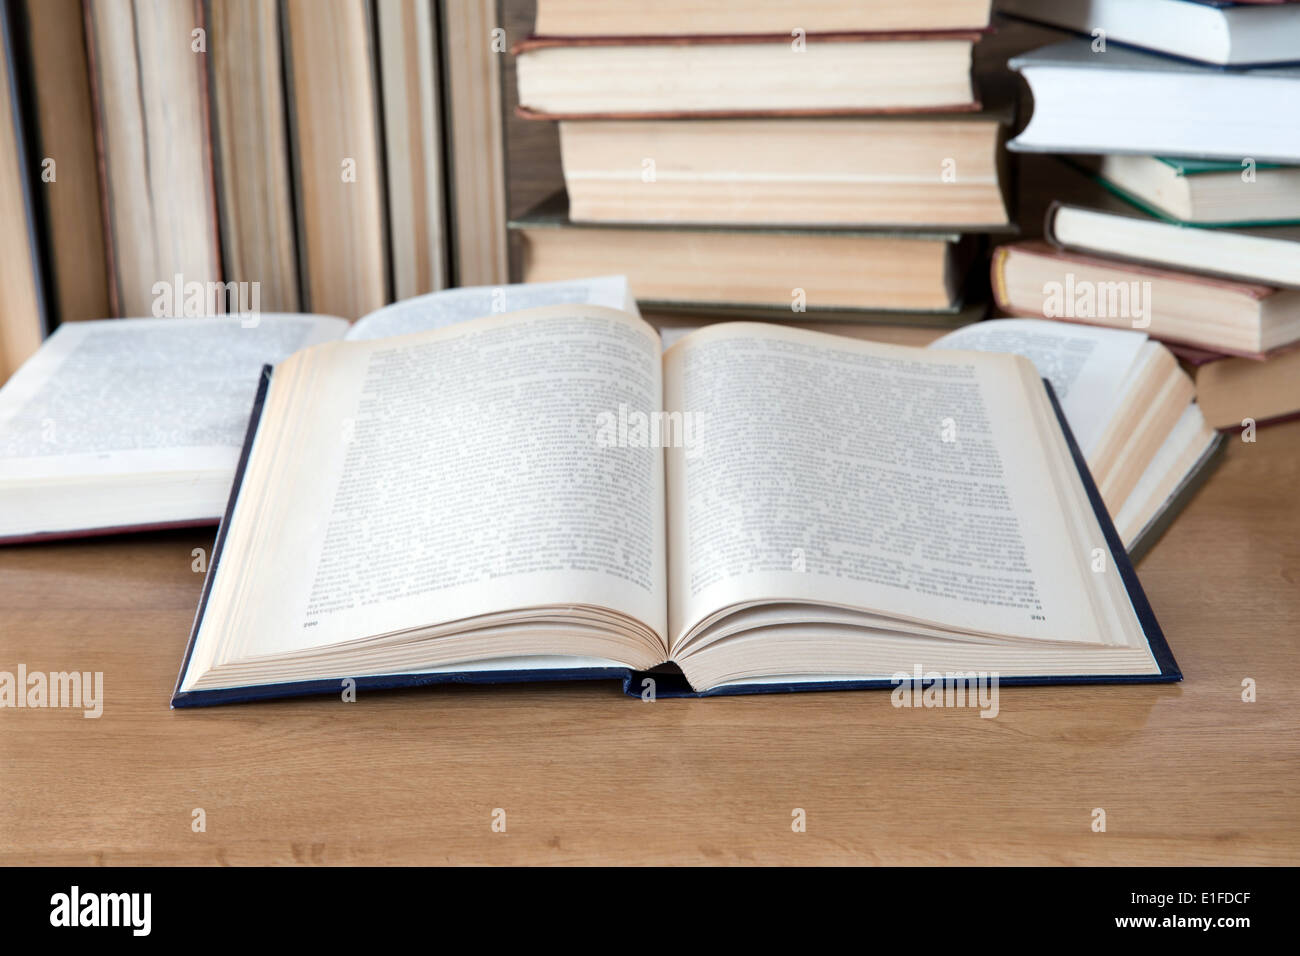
<point>167,157</point>
<point>826,159</point>
<point>1194,236</point>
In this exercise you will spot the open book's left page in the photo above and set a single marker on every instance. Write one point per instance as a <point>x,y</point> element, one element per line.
<point>458,495</point>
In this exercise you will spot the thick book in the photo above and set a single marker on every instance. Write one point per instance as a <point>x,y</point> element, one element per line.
<point>1212,31</point>
<point>475,142</point>
<point>24,313</point>
<point>1233,391</point>
<point>133,424</point>
<point>1131,410</point>
<point>410,71</point>
<point>63,139</point>
<point>745,75</point>
<point>338,171</point>
<point>789,270</point>
<point>939,172</point>
<point>249,121</point>
<point>573,18</point>
<point>1264,256</point>
<point>152,107</point>
<point>1202,192</point>
<point>1035,279</point>
<point>1127,101</point>
<point>549,495</point>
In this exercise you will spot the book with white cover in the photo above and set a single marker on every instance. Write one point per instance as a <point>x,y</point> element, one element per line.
<point>1267,256</point>
<point>1225,34</point>
<point>1122,100</point>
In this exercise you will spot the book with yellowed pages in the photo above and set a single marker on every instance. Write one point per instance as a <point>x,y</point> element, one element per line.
<point>1234,392</point>
<point>575,18</point>
<point>1269,256</point>
<point>931,170</point>
<point>550,495</point>
<point>1203,192</point>
<point>685,75</point>
<point>1036,280</point>
<point>788,270</point>
<point>133,424</point>
<point>1130,407</point>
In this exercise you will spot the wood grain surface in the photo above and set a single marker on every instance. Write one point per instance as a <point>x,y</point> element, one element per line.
<point>1187,774</point>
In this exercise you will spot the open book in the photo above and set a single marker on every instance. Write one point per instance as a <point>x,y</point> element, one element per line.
<point>1130,407</point>
<point>128,424</point>
<point>548,494</point>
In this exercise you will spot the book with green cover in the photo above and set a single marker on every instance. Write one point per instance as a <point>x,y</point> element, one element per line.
<point>1205,194</point>
<point>1199,167</point>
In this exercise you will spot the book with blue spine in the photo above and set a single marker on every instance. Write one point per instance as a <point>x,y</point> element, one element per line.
<point>549,495</point>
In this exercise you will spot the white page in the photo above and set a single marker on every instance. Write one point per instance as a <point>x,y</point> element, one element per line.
<point>421,489</point>
<point>439,309</point>
<point>822,474</point>
<point>137,395</point>
<point>1087,366</point>
<point>674,334</point>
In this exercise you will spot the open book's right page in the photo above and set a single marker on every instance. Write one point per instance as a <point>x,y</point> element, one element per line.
<point>928,486</point>
<point>1087,366</point>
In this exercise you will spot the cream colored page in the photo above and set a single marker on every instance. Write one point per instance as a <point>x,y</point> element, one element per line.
<point>437,310</point>
<point>144,395</point>
<point>1088,367</point>
<point>823,471</point>
<point>1182,449</point>
<point>456,473</point>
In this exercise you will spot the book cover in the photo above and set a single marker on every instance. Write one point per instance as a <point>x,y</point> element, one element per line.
<point>1281,234</point>
<point>1038,247</point>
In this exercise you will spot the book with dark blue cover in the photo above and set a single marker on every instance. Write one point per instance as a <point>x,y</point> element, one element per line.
<point>1146,659</point>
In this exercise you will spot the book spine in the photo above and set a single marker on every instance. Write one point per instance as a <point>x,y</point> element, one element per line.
<point>1049,224</point>
<point>998,278</point>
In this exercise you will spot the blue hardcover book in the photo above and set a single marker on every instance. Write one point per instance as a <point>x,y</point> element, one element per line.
<point>546,496</point>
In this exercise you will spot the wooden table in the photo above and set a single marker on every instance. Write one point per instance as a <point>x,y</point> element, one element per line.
<point>1186,773</point>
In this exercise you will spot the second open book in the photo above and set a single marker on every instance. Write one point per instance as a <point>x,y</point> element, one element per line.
<point>547,494</point>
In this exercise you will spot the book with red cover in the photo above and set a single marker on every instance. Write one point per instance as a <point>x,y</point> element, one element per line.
<point>1177,325</point>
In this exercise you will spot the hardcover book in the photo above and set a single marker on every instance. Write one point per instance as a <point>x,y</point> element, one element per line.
<point>134,424</point>
<point>1213,31</point>
<point>573,18</point>
<point>1266,256</point>
<point>1126,101</point>
<point>1130,408</point>
<point>681,76</point>
<point>1233,391</point>
<point>549,495</point>
<point>791,272</point>
<point>1037,280</point>
<point>937,172</point>
<point>1236,193</point>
